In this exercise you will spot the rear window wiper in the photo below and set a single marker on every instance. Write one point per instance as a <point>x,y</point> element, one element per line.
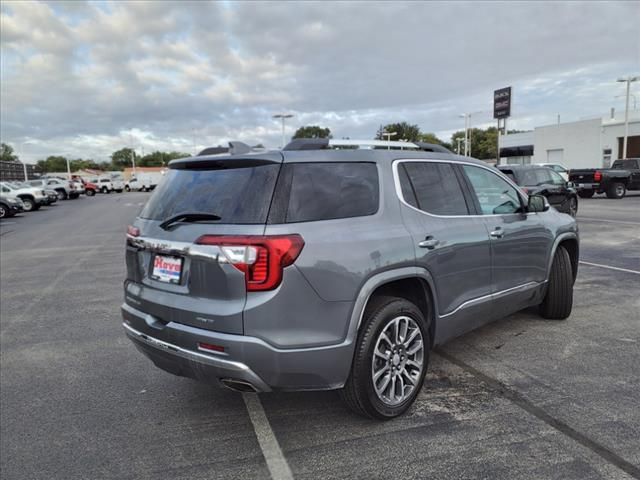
<point>189,217</point>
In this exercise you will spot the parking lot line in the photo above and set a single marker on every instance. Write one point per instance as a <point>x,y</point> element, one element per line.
<point>610,267</point>
<point>589,219</point>
<point>517,398</point>
<point>276,463</point>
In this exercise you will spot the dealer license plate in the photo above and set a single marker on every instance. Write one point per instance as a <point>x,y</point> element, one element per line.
<point>167,269</point>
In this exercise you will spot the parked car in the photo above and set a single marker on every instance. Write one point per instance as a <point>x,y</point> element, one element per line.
<point>307,269</point>
<point>32,197</point>
<point>615,181</point>
<point>90,189</point>
<point>559,169</point>
<point>10,206</point>
<point>63,188</point>
<point>539,180</point>
<point>108,184</point>
<point>143,181</point>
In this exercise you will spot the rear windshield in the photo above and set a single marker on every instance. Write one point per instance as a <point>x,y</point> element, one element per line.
<point>622,164</point>
<point>237,195</point>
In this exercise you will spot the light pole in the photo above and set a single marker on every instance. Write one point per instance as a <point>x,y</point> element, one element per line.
<point>467,136</point>
<point>24,161</point>
<point>628,81</point>
<point>635,105</point>
<point>283,117</point>
<point>388,135</point>
<point>459,140</point>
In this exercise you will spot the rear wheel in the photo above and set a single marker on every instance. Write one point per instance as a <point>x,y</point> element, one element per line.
<point>558,300</point>
<point>616,190</point>
<point>62,195</point>
<point>90,192</point>
<point>127,188</point>
<point>586,193</point>
<point>104,190</point>
<point>4,211</point>
<point>391,359</point>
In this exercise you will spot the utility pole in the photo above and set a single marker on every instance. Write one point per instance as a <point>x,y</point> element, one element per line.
<point>628,81</point>
<point>467,133</point>
<point>283,117</point>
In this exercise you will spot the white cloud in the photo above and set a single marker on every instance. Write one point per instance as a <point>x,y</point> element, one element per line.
<point>75,75</point>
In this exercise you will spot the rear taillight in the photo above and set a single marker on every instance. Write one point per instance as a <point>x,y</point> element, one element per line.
<point>133,231</point>
<point>260,258</point>
<point>597,176</point>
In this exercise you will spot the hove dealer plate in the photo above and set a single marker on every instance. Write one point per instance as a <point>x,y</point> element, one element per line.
<point>167,269</point>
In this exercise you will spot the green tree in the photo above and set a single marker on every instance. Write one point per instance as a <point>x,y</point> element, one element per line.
<point>432,138</point>
<point>159,159</point>
<point>483,142</point>
<point>404,131</point>
<point>123,158</point>
<point>312,131</point>
<point>6,153</point>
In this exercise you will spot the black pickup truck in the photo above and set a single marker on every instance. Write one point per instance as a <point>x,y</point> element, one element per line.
<point>615,181</point>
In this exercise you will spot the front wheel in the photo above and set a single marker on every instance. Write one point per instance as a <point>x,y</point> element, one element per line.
<point>4,211</point>
<point>616,190</point>
<point>390,361</point>
<point>558,300</point>
<point>29,204</point>
<point>573,207</point>
<point>127,188</point>
<point>586,193</point>
<point>90,192</point>
<point>62,194</point>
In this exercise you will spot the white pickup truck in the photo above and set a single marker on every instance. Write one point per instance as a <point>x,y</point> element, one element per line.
<point>143,181</point>
<point>108,184</point>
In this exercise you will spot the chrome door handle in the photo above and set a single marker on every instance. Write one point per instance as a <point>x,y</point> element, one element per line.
<point>497,233</point>
<point>429,243</point>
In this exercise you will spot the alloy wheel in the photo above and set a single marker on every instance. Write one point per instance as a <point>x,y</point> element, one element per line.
<point>398,360</point>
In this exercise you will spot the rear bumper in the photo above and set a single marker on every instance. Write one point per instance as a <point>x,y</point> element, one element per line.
<point>173,347</point>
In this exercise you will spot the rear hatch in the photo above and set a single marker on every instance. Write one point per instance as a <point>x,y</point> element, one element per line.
<point>180,271</point>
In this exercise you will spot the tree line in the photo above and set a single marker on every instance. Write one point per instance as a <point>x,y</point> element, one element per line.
<point>120,159</point>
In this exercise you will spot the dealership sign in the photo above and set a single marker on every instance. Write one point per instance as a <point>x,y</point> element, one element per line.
<point>502,103</point>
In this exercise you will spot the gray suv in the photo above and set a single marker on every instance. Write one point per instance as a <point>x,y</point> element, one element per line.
<point>319,267</point>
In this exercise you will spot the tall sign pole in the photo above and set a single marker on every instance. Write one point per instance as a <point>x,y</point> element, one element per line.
<point>501,111</point>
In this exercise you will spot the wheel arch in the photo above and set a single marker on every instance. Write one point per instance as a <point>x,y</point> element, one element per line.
<point>411,283</point>
<point>570,242</point>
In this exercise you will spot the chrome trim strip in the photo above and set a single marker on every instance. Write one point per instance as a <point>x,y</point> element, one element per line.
<point>396,181</point>
<point>206,252</point>
<point>493,296</point>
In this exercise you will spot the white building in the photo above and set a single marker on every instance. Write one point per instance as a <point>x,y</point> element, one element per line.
<point>586,143</point>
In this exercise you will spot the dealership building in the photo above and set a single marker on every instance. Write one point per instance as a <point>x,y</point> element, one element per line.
<point>589,143</point>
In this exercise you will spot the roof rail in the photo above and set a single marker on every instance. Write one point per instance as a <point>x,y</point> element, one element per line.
<point>326,143</point>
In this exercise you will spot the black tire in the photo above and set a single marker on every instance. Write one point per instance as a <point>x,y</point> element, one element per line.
<point>90,192</point>
<point>616,190</point>
<point>573,206</point>
<point>4,211</point>
<point>119,191</point>
<point>74,195</point>
<point>29,204</point>
<point>62,194</point>
<point>558,299</point>
<point>358,392</point>
<point>586,193</point>
<point>127,188</point>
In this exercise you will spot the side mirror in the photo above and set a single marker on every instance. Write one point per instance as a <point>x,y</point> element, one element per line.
<point>537,203</point>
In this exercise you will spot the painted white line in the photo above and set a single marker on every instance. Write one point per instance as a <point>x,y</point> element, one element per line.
<point>276,463</point>
<point>623,222</point>
<point>610,267</point>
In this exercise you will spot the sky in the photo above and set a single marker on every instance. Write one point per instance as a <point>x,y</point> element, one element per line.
<point>84,79</point>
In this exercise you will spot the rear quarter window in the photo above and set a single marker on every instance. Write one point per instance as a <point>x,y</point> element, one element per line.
<point>310,192</point>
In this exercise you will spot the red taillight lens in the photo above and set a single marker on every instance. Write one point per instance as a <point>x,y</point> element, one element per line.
<point>133,231</point>
<point>597,176</point>
<point>261,258</point>
<point>210,347</point>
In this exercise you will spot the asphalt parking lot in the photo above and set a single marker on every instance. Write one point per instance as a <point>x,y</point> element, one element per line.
<point>520,398</point>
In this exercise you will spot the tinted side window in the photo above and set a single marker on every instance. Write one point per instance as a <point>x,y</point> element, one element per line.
<point>494,194</point>
<point>324,191</point>
<point>436,188</point>
<point>556,179</point>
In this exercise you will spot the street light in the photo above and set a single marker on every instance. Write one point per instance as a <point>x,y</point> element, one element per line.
<point>283,116</point>
<point>635,106</point>
<point>388,135</point>
<point>459,140</point>
<point>628,81</point>
<point>467,126</point>
<point>24,161</point>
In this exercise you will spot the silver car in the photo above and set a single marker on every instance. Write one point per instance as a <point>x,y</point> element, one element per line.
<point>317,267</point>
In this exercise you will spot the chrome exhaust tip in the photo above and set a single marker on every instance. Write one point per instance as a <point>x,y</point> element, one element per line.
<point>238,385</point>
